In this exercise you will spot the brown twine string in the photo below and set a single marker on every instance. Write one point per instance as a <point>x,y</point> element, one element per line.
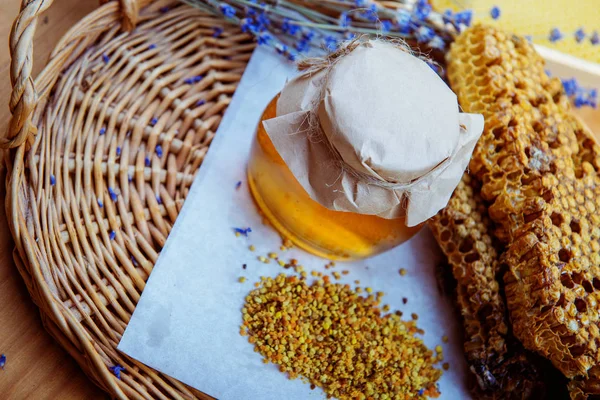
<point>315,65</point>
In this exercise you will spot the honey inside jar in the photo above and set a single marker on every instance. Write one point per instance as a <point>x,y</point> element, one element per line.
<point>309,225</point>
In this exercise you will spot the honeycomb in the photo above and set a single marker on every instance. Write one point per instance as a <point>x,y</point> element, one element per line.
<point>586,387</point>
<point>502,368</point>
<point>536,168</point>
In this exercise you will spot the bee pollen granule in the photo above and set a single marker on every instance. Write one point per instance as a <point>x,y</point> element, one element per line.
<point>333,338</point>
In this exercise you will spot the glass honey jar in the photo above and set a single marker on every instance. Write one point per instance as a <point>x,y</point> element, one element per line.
<point>359,150</point>
<point>336,235</point>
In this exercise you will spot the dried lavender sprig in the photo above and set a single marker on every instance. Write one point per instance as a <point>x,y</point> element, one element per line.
<point>262,37</point>
<point>308,12</point>
<point>353,30</point>
<point>335,6</point>
<point>417,21</point>
<point>212,6</point>
<point>281,9</point>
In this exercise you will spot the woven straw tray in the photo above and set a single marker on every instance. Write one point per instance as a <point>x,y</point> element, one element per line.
<point>105,143</point>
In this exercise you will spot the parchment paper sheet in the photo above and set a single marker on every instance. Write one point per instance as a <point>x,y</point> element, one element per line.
<point>186,323</point>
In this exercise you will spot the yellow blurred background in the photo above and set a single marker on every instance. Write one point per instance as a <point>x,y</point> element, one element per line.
<point>537,18</point>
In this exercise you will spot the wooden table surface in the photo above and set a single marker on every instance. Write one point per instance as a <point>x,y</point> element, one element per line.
<point>36,367</point>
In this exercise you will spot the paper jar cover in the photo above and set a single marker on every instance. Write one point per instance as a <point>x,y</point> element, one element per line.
<point>375,131</point>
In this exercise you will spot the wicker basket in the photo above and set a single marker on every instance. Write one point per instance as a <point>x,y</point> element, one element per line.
<point>104,146</point>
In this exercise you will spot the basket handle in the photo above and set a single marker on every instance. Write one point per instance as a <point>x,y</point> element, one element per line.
<point>24,96</point>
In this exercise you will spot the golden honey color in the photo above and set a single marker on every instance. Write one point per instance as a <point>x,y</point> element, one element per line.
<point>309,225</point>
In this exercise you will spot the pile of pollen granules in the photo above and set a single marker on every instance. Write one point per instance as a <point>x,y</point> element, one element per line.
<point>334,338</point>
